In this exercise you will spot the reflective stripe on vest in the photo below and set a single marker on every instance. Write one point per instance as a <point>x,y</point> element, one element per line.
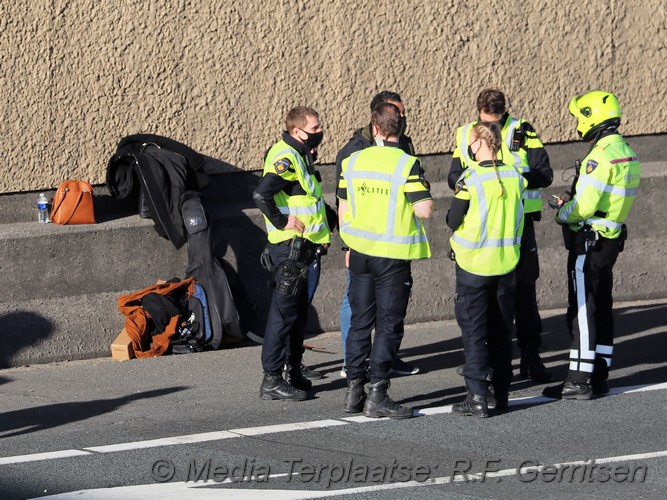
<point>477,181</point>
<point>465,135</point>
<point>532,197</point>
<point>475,250</point>
<point>404,243</point>
<point>310,209</point>
<point>304,170</point>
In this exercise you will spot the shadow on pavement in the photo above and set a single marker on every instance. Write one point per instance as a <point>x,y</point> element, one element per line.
<point>20,329</point>
<point>54,415</point>
<point>628,352</point>
<point>631,350</point>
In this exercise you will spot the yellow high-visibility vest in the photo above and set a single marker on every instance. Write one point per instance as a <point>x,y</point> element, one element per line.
<point>380,220</point>
<point>532,197</point>
<point>309,208</point>
<point>487,241</point>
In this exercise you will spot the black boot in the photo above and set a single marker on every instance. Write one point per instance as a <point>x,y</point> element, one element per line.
<point>573,388</point>
<point>599,378</point>
<point>473,405</point>
<point>275,387</point>
<point>497,400</point>
<point>553,391</point>
<point>378,404</point>
<point>294,377</point>
<point>502,401</point>
<point>355,396</point>
<point>491,398</point>
<point>531,366</point>
<point>311,374</point>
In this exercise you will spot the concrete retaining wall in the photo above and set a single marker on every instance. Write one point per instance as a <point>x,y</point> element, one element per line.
<point>59,284</point>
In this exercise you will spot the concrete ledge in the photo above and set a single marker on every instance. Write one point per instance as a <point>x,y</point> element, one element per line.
<point>59,284</point>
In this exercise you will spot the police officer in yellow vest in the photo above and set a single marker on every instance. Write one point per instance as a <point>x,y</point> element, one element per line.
<point>382,197</point>
<point>522,148</point>
<point>289,196</point>
<point>603,193</point>
<point>487,216</point>
<point>363,138</point>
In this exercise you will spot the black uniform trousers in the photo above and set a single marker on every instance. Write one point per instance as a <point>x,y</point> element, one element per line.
<point>528,322</point>
<point>484,307</point>
<point>285,323</point>
<point>379,295</point>
<point>590,302</point>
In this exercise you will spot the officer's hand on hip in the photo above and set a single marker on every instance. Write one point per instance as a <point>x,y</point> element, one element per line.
<point>294,223</point>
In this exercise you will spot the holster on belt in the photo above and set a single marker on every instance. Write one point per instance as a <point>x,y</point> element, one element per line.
<point>291,277</point>
<point>585,239</point>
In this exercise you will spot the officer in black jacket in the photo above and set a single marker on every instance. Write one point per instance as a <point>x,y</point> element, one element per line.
<point>290,198</point>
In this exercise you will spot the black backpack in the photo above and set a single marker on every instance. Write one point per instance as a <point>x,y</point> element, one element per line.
<point>231,313</point>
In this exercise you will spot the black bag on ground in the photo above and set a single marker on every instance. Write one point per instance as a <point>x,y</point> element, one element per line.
<point>230,312</point>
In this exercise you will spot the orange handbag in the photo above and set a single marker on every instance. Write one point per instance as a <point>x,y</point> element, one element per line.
<point>73,203</point>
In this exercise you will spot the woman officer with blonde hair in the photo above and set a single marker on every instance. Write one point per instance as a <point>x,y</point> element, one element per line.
<point>486,215</point>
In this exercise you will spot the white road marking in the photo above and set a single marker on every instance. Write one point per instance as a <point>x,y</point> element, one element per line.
<point>191,491</point>
<point>272,429</point>
<point>170,441</point>
<point>214,436</point>
<point>298,426</point>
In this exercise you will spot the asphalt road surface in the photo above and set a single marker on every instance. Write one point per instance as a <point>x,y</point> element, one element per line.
<point>193,426</point>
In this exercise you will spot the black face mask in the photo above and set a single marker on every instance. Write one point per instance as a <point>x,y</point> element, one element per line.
<point>312,140</point>
<point>402,125</point>
<point>471,155</point>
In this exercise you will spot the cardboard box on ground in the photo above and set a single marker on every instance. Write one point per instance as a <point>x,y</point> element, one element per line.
<point>121,347</point>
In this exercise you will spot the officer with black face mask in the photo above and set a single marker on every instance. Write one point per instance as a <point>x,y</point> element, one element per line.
<point>290,198</point>
<point>522,148</point>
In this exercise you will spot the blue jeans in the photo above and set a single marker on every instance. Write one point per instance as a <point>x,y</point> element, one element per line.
<point>345,317</point>
<point>313,278</point>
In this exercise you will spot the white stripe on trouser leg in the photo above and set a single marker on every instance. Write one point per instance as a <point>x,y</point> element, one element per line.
<point>604,349</point>
<point>586,367</point>
<point>604,352</point>
<point>585,352</point>
<point>581,366</point>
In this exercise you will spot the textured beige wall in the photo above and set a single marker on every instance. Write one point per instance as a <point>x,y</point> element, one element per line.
<point>78,75</point>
